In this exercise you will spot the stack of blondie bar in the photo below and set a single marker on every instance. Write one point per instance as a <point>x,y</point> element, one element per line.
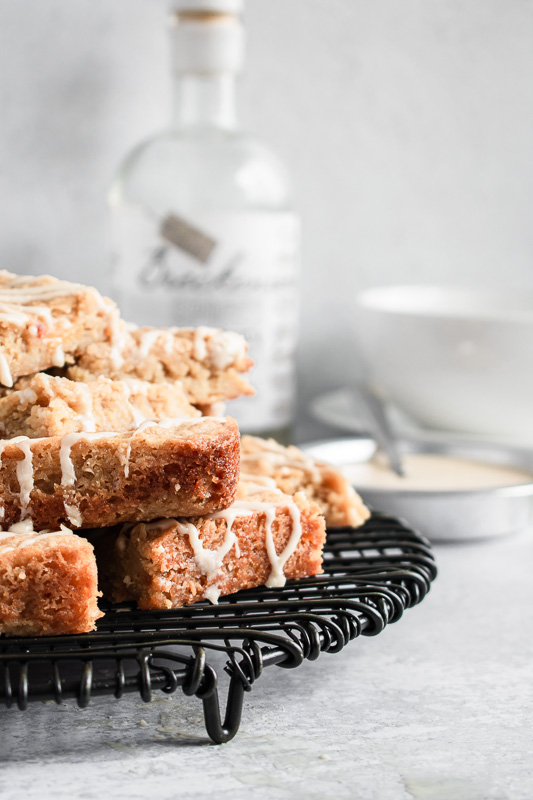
<point>118,433</point>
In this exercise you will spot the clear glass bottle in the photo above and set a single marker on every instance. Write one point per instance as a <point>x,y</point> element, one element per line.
<point>203,232</point>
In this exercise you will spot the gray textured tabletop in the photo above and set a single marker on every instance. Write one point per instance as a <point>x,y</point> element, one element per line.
<point>437,707</point>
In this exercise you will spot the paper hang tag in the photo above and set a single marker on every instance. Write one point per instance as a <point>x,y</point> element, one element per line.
<point>181,234</point>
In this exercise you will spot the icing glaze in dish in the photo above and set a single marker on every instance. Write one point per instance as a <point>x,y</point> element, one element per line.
<point>435,472</point>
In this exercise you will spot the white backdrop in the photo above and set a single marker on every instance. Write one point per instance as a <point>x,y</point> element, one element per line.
<point>408,127</point>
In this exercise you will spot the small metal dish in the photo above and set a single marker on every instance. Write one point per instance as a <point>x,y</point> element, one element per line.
<point>451,515</point>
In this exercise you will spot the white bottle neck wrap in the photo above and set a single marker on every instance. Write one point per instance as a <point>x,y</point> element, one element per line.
<point>207,44</point>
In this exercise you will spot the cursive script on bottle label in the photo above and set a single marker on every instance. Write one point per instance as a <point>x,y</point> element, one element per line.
<point>237,271</point>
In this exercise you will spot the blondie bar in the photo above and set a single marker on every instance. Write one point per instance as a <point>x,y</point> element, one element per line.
<point>268,463</point>
<point>43,405</point>
<point>44,322</point>
<point>48,584</point>
<point>93,480</point>
<point>264,538</point>
<point>209,363</point>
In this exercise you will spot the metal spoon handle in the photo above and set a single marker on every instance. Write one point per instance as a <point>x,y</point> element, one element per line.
<point>379,426</point>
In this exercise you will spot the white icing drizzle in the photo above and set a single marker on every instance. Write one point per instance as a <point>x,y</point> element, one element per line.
<point>212,593</point>
<point>22,537</point>
<point>127,464</point>
<point>58,357</point>
<point>208,561</point>
<point>169,337</point>
<point>26,396</point>
<point>47,382</point>
<point>147,339</point>
<point>24,470</point>
<point>159,525</point>
<point>174,422</point>
<point>277,576</point>
<point>21,290</point>
<point>46,314</point>
<point>74,514</point>
<point>25,474</point>
<point>23,526</point>
<point>199,345</point>
<point>19,280</point>
<point>118,339</point>
<point>68,473</point>
<point>9,314</point>
<point>137,416</point>
<point>225,348</point>
<point>5,373</point>
<point>277,562</point>
<point>116,357</point>
<point>147,423</point>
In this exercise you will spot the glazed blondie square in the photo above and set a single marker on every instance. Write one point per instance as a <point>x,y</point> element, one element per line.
<point>93,480</point>
<point>48,584</point>
<point>43,405</point>
<point>263,538</point>
<point>209,364</point>
<point>44,322</point>
<point>268,463</point>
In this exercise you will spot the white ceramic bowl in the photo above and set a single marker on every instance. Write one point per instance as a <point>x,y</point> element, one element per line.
<point>454,359</point>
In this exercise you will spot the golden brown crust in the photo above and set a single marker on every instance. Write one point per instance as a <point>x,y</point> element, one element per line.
<point>48,585</point>
<point>185,470</point>
<point>50,406</point>
<point>155,565</point>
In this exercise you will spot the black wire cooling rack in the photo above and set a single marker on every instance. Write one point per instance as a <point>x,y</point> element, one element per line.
<point>371,575</point>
